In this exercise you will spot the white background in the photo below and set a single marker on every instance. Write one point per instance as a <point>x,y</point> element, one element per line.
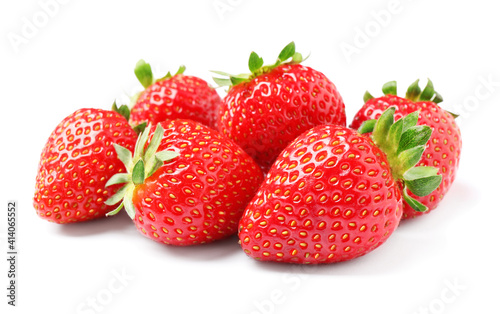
<point>83,55</point>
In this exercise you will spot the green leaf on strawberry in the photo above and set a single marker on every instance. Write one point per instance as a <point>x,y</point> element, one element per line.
<point>367,96</point>
<point>422,180</point>
<point>124,110</point>
<point>390,88</point>
<point>144,73</point>
<point>139,166</point>
<point>255,62</point>
<point>404,143</point>
<point>288,55</point>
<point>169,75</point>
<point>423,120</point>
<point>145,76</point>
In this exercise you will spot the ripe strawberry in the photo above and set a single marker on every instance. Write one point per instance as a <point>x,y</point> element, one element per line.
<point>76,162</point>
<point>198,195</point>
<point>265,110</point>
<point>443,149</point>
<point>175,96</point>
<point>332,194</point>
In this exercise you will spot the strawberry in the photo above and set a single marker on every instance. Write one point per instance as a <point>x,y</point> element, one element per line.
<point>332,195</point>
<point>443,149</point>
<point>265,110</point>
<point>193,191</point>
<point>175,96</point>
<point>76,162</point>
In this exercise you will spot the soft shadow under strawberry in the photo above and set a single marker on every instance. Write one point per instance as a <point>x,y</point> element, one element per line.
<point>406,250</point>
<point>119,224</point>
<point>216,250</point>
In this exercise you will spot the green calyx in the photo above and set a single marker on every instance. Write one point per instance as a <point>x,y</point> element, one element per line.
<point>123,110</point>
<point>144,73</point>
<point>414,93</point>
<point>145,76</point>
<point>256,66</point>
<point>403,142</point>
<point>141,165</point>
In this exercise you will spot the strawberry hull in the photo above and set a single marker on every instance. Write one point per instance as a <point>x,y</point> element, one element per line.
<point>329,197</point>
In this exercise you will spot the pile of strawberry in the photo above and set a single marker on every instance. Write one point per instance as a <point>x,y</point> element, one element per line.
<point>272,161</point>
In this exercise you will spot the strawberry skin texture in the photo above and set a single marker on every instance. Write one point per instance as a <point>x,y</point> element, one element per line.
<point>329,197</point>
<point>442,151</point>
<point>199,196</point>
<point>264,115</point>
<point>75,164</point>
<point>180,97</point>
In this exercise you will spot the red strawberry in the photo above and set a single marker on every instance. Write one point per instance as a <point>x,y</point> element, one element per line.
<point>76,162</point>
<point>443,149</point>
<point>173,97</point>
<point>332,194</point>
<point>265,110</point>
<point>198,195</point>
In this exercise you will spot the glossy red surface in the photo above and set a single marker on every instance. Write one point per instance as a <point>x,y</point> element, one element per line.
<point>199,196</point>
<point>329,197</point>
<point>180,97</point>
<point>264,115</point>
<point>77,161</point>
